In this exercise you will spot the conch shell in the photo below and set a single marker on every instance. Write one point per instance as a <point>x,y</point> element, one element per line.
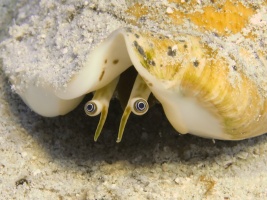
<point>204,62</point>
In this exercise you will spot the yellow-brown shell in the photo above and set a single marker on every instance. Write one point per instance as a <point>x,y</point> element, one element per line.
<point>201,63</point>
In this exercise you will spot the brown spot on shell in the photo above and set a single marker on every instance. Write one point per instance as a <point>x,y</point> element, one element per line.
<point>147,82</point>
<point>235,67</point>
<point>196,63</point>
<point>101,76</point>
<point>139,49</point>
<point>115,61</point>
<point>152,62</point>
<point>171,52</point>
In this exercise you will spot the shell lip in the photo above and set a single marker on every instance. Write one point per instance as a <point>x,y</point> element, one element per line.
<point>103,65</point>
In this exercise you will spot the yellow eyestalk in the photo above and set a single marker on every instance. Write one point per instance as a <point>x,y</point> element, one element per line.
<point>100,104</point>
<point>137,103</point>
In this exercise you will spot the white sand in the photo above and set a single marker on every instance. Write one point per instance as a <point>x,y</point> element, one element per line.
<point>56,158</point>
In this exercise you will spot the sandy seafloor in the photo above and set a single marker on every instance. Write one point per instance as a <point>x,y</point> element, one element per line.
<point>56,158</point>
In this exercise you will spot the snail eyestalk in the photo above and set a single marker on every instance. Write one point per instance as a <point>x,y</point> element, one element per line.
<point>137,103</point>
<point>93,108</point>
<point>100,104</point>
<point>139,106</point>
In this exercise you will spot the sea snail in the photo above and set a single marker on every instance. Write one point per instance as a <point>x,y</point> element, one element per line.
<point>208,71</point>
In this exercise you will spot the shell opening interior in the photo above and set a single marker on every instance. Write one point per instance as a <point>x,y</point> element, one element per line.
<point>137,103</point>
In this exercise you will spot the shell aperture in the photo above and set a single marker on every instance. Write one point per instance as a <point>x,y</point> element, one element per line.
<point>100,103</point>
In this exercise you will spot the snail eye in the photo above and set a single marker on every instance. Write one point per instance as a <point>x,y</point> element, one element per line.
<point>140,106</point>
<point>90,108</point>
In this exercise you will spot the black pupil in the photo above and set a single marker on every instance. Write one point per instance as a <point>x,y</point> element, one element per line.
<point>140,106</point>
<point>90,107</point>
